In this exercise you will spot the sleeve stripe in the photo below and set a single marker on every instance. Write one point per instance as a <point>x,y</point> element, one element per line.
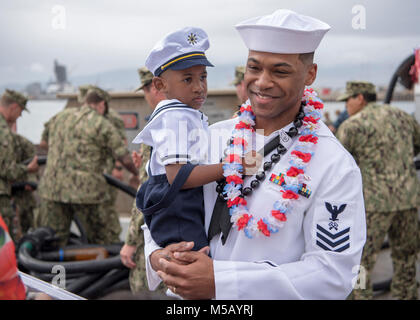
<point>176,156</point>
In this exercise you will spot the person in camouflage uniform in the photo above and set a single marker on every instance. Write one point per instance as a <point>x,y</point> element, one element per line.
<point>24,199</point>
<point>239,84</point>
<point>384,140</point>
<point>114,168</point>
<point>132,253</point>
<point>11,106</point>
<point>80,141</point>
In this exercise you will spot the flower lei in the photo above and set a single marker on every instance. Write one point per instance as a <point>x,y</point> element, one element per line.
<point>295,176</point>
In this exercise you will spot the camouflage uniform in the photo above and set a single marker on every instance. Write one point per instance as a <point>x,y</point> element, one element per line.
<point>11,170</point>
<point>24,199</point>
<point>108,207</point>
<point>79,143</point>
<point>384,140</point>
<point>107,210</point>
<point>137,278</point>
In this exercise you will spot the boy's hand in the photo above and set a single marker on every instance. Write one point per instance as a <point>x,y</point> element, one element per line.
<point>251,163</point>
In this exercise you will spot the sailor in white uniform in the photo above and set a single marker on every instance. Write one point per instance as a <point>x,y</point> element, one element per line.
<point>307,231</point>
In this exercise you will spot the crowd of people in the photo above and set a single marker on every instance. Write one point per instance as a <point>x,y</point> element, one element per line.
<point>300,214</point>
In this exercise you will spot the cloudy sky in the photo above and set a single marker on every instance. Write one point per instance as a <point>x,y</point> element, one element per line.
<point>368,39</point>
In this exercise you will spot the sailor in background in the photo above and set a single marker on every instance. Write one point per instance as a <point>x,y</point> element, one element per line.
<point>384,141</point>
<point>132,253</point>
<point>299,225</point>
<point>240,88</point>
<point>12,104</point>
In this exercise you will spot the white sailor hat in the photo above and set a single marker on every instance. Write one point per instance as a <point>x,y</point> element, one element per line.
<point>283,31</point>
<point>179,50</point>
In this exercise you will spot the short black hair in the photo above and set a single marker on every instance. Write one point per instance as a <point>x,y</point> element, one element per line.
<point>307,58</point>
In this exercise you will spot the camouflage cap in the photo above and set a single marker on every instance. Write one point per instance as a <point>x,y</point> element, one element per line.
<point>239,75</point>
<point>17,97</point>
<point>145,77</point>
<point>356,87</point>
<point>85,89</point>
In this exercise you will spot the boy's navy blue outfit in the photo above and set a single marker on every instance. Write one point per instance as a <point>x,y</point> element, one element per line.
<point>177,133</point>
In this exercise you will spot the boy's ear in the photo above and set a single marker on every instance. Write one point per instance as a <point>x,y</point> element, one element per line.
<point>159,83</point>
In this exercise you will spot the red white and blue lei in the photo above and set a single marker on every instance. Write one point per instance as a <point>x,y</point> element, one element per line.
<point>295,176</point>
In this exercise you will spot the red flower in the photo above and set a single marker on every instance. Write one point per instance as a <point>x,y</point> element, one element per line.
<point>293,172</point>
<point>278,215</point>
<point>246,108</point>
<point>243,221</point>
<point>233,158</point>
<point>233,202</point>
<point>310,119</point>
<point>316,104</point>
<point>309,138</point>
<point>242,201</point>
<point>236,201</point>
<point>306,157</point>
<point>289,194</point>
<point>241,141</point>
<point>234,179</point>
<point>243,125</point>
<point>263,228</point>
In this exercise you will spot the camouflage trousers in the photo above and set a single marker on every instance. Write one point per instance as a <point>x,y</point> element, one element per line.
<point>59,216</point>
<point>10,218</point>
<point>401,227</point>
<point>137,277</point>
<point>26,204</point>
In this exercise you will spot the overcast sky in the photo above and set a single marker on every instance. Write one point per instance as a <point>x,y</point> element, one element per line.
<point>92,36</point>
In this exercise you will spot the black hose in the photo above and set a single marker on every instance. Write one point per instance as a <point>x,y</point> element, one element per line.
<point>401,72</point>
<point>96,289</point>
<point>30,263</point>
<point>83,282</point>
<point>120,185</point>
<point>109,178</point>
<point>20,186</point>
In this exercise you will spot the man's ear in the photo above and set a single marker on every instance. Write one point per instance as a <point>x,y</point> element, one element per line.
<point>311,74</point>
<point>159,83</point>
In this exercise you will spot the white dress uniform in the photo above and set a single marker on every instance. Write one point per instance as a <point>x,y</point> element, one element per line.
<point>307,258</point>
<point>317,252</point>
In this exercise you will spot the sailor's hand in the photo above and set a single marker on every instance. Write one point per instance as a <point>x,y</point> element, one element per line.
<point>167,253</point>
<point>127,254</point>
<point>192,280</point>
<point>33,165</point>
<point>251,163</point>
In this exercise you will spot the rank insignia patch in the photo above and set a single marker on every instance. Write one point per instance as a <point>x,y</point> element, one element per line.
<point>336,242</point>
<point>329,235</point>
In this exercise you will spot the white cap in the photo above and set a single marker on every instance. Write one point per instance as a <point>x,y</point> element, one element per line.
<point>283,31</point>
<point>179,50</point>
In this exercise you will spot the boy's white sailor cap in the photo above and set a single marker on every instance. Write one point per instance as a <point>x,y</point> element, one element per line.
<point>179,50</point>
<point>283,31</point>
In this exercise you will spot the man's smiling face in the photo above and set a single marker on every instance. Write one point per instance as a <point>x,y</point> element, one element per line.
<point>275,83</point>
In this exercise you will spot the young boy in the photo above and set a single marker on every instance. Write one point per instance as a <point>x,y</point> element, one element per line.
<point>172,199</point>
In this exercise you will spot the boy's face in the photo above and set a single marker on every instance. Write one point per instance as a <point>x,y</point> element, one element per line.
<point>188,86</point>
